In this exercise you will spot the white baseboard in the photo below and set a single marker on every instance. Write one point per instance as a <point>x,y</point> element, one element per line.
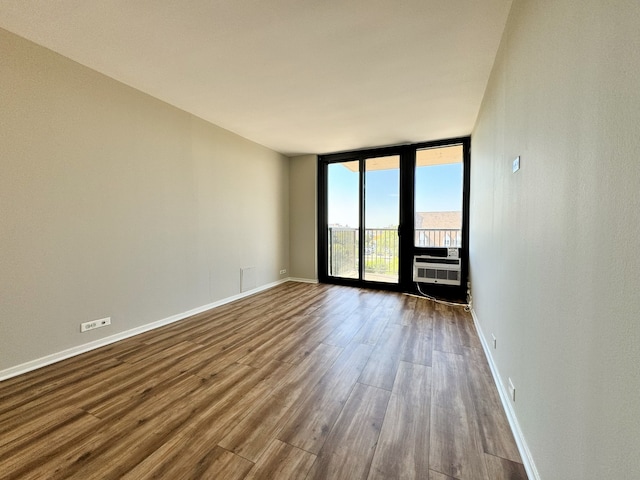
<point>523,448</point>
<point>302,280</point>
<point>86,347</point>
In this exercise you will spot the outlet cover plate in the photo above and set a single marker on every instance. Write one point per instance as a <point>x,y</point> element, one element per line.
<point>92,325</point>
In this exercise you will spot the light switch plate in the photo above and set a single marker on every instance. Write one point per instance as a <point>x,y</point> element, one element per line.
<point>516,164</point>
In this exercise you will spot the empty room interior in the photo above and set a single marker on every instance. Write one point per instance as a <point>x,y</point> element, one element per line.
<point>319,240</point>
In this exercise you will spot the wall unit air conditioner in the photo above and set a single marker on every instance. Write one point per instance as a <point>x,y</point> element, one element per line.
<point>435,269</point>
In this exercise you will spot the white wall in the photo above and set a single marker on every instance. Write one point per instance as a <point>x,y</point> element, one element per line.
<point>303,217</point>
<point>113,203</point>
<point>554,265</point>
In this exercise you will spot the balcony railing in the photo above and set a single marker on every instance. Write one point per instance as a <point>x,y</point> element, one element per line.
<point>438,237</point>
<point>381,250</point>
<point>343,252</point>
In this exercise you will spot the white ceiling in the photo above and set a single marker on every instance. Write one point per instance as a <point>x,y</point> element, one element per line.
<point>298,76</point>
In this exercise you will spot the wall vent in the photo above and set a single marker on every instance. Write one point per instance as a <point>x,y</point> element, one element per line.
<point>247,279</point>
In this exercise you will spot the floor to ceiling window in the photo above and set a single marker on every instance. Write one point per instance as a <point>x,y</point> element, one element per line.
<point>438,196</point>
<point>379,208</point>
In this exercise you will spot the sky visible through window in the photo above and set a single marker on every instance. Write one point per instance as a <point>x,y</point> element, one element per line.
<point>438,189</point>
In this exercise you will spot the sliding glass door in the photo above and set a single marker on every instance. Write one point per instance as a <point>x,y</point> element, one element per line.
<point>378,209</point>
<point>343,225</point>
<point>362,219</point>
<point>381,219</point>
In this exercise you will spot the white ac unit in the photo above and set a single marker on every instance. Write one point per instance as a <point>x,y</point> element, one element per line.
<point>438,270</point>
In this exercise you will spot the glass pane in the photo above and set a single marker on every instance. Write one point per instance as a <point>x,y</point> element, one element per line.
<point>343,202</point>
<point>438,197</point>
<point>381,218</point>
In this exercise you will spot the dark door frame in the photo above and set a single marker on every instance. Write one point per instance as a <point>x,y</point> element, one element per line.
<point>407,250</point>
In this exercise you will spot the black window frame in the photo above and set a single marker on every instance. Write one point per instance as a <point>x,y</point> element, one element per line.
<point>407,249</point>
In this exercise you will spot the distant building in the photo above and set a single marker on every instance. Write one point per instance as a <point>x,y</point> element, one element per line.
<point>438,229</point>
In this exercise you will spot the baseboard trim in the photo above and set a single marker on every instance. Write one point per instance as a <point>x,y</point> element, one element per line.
<point>87,347</point>
<point>523,448</point>
<point>303,280</point>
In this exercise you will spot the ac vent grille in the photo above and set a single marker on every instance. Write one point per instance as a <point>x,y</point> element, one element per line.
<point>436,272</point>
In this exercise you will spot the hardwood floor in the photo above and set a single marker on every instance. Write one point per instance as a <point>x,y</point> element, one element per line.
<point>298,382</point>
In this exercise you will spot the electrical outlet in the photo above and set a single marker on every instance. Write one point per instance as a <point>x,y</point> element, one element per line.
<point>283,271</point>
<point>103,322</point>
<point>495,341</point>
<point>512,391</point>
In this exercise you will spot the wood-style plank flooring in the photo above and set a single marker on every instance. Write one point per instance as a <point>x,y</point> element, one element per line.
<point>298,382</point>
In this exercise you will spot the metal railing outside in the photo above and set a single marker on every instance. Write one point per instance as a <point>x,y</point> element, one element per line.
<point>343,252</point>
<point>381,248</point>
<point>438,237</point>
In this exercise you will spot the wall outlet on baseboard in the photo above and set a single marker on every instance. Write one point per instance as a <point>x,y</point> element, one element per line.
<point>495,341</point>
<point>512,391</point>
<point>103,322</point>
<point>283,271</point>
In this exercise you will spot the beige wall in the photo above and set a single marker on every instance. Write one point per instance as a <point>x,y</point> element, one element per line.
<point>554,265</point>
<point>113,203</point>
<point>303,217</point>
